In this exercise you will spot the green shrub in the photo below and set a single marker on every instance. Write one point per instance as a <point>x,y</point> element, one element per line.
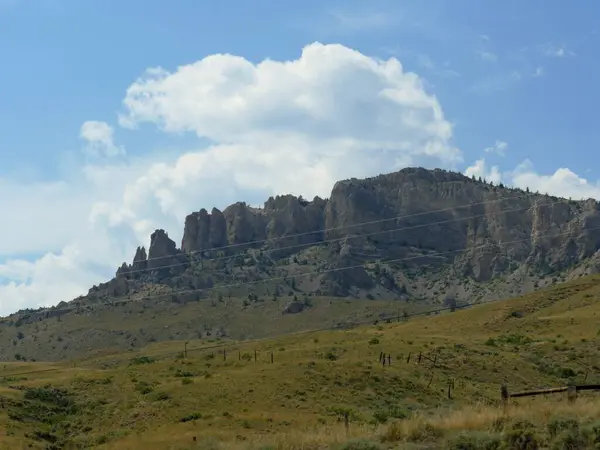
<point>393,412</point>
<point>142,360</point>
<point>360,445</point>
<point>569,440</point>
<point>143,388</point>
<point>474,441</point>
<point>558,426</point>
<point>521,436</point>
<point>191,417</point>
<point>161,396</point>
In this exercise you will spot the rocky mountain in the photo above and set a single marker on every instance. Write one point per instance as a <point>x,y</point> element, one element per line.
<point>416,236</point>
<point>440,224</point>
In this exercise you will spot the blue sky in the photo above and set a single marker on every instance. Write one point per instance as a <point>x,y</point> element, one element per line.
<point>66,60</point>
<point>516,78</point>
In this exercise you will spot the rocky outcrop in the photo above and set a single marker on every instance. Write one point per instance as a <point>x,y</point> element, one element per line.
<point>163,261</point>
<point>140,259</point>
<point>240,225</point>
<point>204,231</point>
<point>422,217</point>
<point>162,250</point>
<point>294,307</point>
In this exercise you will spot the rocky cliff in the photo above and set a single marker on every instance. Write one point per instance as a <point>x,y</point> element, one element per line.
<point>416,226</point>
<point>413,237</point>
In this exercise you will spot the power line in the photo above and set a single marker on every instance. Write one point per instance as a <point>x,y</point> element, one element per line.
<point>339,269</point>
<point>250,341</point>
<point>326,230</point>
<point>328,241</point>
<point>327,271</point>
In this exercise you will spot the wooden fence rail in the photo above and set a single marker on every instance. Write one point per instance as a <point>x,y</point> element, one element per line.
<point>570,390</point>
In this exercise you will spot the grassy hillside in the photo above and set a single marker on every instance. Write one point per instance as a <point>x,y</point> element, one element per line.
<point>133,325</point>
<point>158,398</point>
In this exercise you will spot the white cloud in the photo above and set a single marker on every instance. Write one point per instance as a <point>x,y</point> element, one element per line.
<point>480,170</point>
<point>332,97</point>
<point>498,148</point>
<point>291,126</point>
<point>36,216</point>
<point>562,183</point>
<point>99,137</point>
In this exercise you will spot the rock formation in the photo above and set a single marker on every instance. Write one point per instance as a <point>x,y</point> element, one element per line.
<point>416,218</point>
<point>415,236</point>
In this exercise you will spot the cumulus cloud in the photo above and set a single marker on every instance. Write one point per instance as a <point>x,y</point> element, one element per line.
<point>499,148</point>
<point>562,183</point>
<point>43,216</point>
<point>481,170</point>
<point>333,113</point>
<point>331,95</point>
<point>99,138</point>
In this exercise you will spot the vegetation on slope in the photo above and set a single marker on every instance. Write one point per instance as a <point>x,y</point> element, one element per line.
<point>222,397</point>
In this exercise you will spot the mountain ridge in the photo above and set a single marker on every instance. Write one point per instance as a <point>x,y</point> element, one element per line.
<point>407,239</point>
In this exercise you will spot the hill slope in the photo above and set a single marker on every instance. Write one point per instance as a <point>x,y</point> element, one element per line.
<point>401,241</point>
<point>159,398</point>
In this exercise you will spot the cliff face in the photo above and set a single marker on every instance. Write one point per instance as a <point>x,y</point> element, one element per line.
<point>241,224</point>
<point>413,239</point>
<point>446,226</point>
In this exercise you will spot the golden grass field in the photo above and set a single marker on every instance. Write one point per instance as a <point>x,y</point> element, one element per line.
<point>157,398</point>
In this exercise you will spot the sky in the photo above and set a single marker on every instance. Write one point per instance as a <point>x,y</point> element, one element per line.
<point>118,117</point>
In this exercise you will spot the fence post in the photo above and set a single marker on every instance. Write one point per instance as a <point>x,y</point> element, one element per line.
<point>380,356</point>
<point>185,349</point>
<point>272,357</point>
<point>419,360</point>
<point>254,355</point>
<point>449,390</point>
<point>389,359</point>
<point>346,423</point>
<point>224,355</point>
<point>504,396</point>
<point>408,359</point>
<point>572,393</point>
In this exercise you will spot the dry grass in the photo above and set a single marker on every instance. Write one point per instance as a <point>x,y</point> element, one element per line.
<point>435,428</point>
<point>296,402</point>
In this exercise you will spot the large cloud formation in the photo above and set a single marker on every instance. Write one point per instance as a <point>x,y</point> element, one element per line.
<point>294,126</point>
<point>272,127</point>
